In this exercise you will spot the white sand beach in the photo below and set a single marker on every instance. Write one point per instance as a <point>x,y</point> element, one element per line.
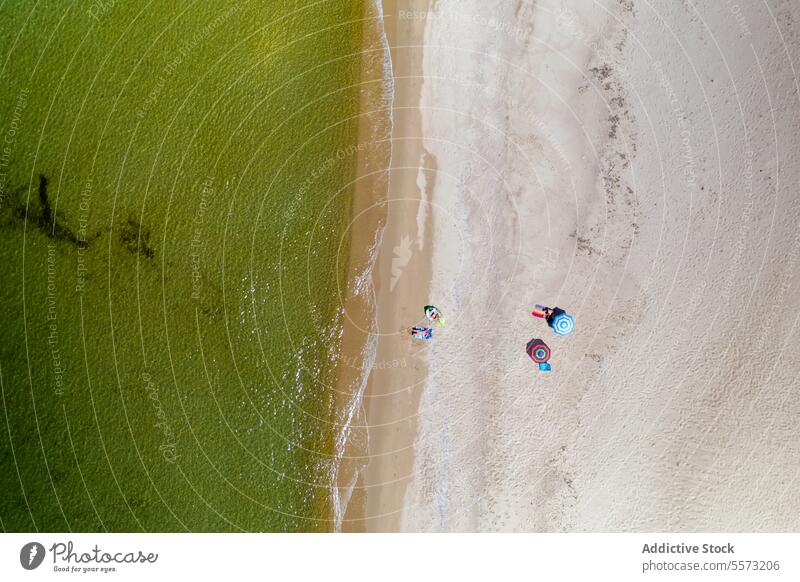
<point>636,164</point>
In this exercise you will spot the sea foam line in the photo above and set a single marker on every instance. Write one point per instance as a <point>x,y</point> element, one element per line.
<point>363,286</point>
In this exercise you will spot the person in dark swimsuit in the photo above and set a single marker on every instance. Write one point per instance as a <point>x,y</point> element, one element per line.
<point>551,313</point>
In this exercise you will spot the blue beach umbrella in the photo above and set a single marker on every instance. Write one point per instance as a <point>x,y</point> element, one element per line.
<point>563,324</point>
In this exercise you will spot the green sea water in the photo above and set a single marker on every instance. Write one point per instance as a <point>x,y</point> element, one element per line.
<point>175,188</point>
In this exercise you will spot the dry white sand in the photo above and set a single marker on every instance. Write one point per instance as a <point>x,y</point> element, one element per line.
<point>636,164</point>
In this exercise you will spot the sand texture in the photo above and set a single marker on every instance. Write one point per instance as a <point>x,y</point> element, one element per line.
<point>635,164</point>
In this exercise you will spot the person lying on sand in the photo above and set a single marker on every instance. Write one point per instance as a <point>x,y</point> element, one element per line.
<point>558,319</point>
<point>421,333</point>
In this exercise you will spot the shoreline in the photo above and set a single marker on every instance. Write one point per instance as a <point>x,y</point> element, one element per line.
<point>400,278</point>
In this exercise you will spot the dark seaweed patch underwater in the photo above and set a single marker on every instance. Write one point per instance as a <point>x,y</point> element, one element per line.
<point>159,369</point>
